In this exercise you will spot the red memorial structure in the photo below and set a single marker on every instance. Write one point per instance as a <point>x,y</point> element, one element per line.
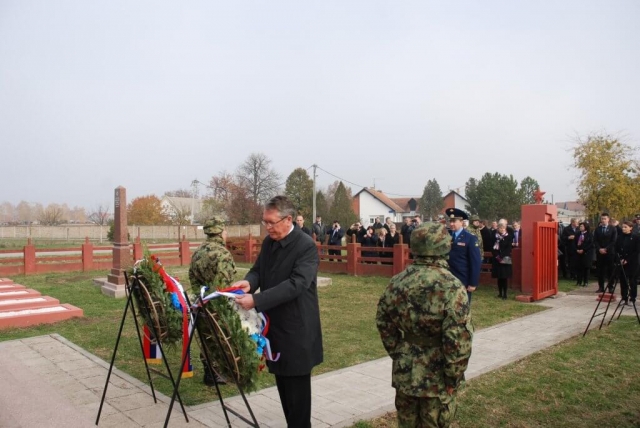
<point>115,285</point>
<point>539,250</point>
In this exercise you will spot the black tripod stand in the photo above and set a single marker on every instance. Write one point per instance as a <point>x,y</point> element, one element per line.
<point>623,302</point>
<point>139,289</point>
<point>611,287</point>
<point>198,310</point>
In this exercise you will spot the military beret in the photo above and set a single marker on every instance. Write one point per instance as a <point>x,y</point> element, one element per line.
<point>214,225</point>
<point>456,214</point>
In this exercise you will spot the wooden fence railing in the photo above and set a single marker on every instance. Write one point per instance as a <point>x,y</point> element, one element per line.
<point>350,259</point>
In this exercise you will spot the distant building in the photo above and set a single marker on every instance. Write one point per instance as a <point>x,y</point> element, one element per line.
<point>370,203</point>
<point>189,208</point>
<point>569,210</point>
<point>454,199</point>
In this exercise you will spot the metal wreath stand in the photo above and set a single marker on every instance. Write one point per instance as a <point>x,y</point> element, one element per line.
<point>198,309</point>
<point>135,285</point>
<point>612,284</point>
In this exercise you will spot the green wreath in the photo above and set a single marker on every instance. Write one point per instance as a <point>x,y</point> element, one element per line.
<point>161,316</point>
<point>240,349</point>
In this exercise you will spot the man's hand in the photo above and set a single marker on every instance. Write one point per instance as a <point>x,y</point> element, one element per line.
<point>471,288</point>
<point>246,301</point>
<point>244,285</point>
<point>603,250</point>
<point>450,390</point>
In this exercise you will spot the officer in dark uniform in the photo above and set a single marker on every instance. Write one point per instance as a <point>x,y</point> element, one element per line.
<point>464,258</point>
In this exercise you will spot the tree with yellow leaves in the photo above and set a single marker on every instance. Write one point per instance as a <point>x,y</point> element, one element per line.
<point>609,176</point>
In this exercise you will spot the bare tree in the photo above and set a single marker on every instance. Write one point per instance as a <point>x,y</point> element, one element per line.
<point>180,193</point>
<point>100,215</point>
<point>52,215</point>
<point>258,178</point>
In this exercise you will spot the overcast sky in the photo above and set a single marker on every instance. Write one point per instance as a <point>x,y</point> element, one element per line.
<point>151,95</point>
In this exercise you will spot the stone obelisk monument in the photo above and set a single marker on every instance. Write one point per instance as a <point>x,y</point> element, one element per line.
<point>115,285</point>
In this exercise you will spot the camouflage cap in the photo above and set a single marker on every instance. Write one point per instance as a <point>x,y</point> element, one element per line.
<point>474,218</point>
<point>430,239</point>
<point>214,225</point>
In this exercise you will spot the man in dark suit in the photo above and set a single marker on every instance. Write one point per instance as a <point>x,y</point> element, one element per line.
<point>569,238</point>
<point>464,258</point>
<point>286,272</point>
<point>636,225</point>
<point>300,224</point>
<point>604,240</point>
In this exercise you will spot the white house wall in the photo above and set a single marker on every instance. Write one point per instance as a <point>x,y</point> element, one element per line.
<point>460,202</point>
<point>372,207</point>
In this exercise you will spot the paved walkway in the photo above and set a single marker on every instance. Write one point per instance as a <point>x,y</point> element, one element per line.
<point>48,381</point>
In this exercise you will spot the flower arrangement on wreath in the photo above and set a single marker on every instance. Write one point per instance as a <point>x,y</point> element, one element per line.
<point>167,313</point>
<point>242,334</point>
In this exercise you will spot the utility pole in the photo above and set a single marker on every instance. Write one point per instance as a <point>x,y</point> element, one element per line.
<point>314,192</point>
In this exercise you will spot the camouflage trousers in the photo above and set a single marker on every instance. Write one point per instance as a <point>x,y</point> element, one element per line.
<point>423,412</point>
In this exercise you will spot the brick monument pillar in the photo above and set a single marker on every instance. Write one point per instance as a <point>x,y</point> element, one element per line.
<point>115,285</point>
<point>529,215</point>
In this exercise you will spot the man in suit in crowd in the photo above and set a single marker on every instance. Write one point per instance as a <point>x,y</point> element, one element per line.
<point>464,258</point>
<point>356,230</point>
<point>300,224</point>
<point>285,273</point>
<point>406,230</point>
<point>319,229</point>
<point>569,239</point>
<point>636,226</point>
<point>604,239</point>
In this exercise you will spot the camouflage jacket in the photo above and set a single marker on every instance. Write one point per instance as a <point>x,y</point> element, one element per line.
<point>212,265</point>
<point>424,323</point>
<point>475,231</point>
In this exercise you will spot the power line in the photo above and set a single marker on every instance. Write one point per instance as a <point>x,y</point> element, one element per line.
<point>359,185</point>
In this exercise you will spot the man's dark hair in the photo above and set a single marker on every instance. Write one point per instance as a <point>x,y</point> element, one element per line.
<point>604,215</point>
<point>282,204</point>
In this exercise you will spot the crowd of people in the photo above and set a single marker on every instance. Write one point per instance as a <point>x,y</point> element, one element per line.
<point>615,248</point>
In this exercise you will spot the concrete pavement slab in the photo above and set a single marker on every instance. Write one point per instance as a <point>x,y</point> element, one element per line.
<point>72,380</point>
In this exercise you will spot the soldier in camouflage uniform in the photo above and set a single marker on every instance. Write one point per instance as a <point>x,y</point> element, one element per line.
<point>212,265</point>
<point>474,229</point>
<point>424,324</point>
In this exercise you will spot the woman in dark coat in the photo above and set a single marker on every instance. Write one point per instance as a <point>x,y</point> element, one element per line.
<point>369,240</point>
<point>584,254</point>
<point>501,265</point>
<point>384,241</point>
<point>627,248</point>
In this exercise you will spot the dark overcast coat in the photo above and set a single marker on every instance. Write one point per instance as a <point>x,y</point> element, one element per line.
<point>286,274</point>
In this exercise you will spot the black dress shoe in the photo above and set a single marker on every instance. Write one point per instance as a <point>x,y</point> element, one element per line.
<point>599,290</point>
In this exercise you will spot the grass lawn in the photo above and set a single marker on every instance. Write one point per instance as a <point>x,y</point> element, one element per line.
<point>347,308</point>
<point>582,382</point>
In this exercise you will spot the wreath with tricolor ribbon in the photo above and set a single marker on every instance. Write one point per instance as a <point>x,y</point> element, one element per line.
<point>242,334</point>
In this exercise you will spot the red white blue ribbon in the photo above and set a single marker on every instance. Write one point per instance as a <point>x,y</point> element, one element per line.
<point>262,343</point>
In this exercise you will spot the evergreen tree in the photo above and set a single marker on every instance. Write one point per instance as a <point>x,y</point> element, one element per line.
<point>494,196</point>
<point>299,189</point>
<point>471,193</point>
<point>322,207</point>
<point>342,209</point>
<point>431,202</point>
<point>527,186</point>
